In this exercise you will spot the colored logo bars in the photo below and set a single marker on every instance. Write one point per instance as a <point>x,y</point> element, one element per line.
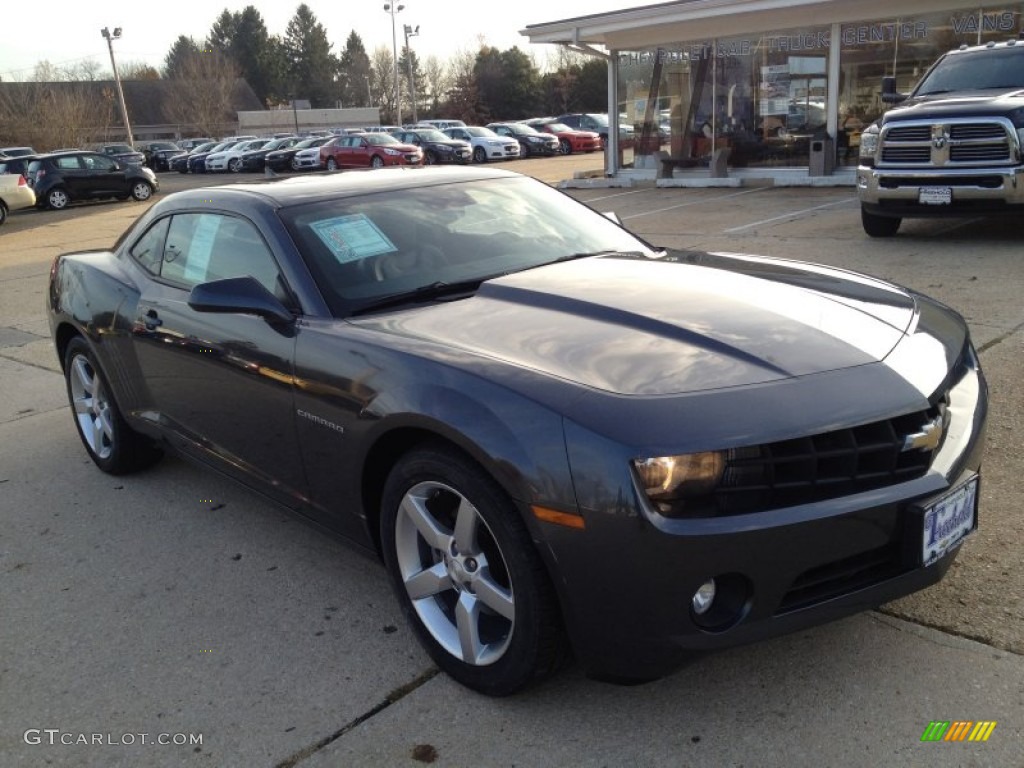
<point>958,730</point>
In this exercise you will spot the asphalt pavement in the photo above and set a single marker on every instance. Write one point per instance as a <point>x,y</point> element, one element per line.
<point>174,606</point>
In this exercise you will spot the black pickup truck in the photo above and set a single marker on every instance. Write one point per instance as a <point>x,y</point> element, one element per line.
<point>952,147</point>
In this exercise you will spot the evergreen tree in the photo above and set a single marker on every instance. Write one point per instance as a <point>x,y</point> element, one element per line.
<point>311,65</point>
<point>353,71</point>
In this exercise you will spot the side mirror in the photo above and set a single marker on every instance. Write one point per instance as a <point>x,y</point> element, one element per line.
<point>889,93</point>
<point>244,295</point>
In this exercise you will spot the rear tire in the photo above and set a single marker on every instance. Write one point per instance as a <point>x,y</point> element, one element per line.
<point>57,199</point>
<point>112,445</point>
<point>332,164</point>
<point>879,226</point>
<point>467,574</point>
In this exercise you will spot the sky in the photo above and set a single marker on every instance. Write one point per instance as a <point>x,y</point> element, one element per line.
<point>72,29</point>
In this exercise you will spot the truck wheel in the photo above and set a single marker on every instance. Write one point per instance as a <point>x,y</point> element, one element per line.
<point>879,226</point>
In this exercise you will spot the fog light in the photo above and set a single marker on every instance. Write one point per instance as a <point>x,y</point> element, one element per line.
<point>703,597</point>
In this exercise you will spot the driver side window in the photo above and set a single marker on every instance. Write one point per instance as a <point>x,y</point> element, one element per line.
<point>201,247</point>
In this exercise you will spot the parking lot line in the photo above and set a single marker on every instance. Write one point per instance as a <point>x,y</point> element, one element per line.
<point>790,215</point>
<point>695,202</point>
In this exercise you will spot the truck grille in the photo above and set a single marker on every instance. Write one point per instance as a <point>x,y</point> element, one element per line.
<point>949,144</point>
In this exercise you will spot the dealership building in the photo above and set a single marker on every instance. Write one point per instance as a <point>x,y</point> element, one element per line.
<point>733,89</point>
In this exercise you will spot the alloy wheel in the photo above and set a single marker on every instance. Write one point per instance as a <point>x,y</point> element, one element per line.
<point>92,407</point>
<point>454,573</point>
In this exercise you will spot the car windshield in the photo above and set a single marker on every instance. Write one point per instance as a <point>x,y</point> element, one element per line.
<point>159,145</point>
<point>481,132</point>
<point>520,129</point>
<point>117,149</point>
<point>380,248</point>
<point>975,70</point>
<point>380,139</point>
<point>205,147</point>
<point>557,127</point>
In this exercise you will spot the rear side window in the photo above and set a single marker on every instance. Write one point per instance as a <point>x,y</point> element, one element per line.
<point>68,162</point>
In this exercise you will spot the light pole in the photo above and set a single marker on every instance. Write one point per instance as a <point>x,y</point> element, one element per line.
<point>392,9</point>
<point>110,38</point>
<point>410,32</point>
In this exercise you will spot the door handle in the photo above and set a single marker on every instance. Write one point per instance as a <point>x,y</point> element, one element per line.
<point>152,320</point>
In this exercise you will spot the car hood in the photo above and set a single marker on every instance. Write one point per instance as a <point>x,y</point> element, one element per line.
<point>976,103</point>
<point>686,323</point>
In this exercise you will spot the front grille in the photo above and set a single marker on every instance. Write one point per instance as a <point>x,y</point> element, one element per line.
<point>990,131</point>
<point>907,154</point>
<point>910,133</point>
<point>823,466</point>
<point>979,154</point>
<point>944,144</point>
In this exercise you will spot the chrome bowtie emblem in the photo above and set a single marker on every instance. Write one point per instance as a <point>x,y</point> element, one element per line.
<point>928,438</point>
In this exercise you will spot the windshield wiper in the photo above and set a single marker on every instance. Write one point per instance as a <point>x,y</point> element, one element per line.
<point>436,290</point>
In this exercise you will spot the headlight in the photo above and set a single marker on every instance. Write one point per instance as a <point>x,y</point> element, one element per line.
<point>869,142</point>
<point>669,481</point>
<point>535,139</point>
<point>391,151</point>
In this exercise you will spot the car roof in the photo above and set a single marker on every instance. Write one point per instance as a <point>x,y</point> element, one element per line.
<point>310,189</point>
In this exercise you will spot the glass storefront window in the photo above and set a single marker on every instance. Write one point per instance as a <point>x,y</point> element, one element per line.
<point>761,99</point>
<point>906,48</point>
<point>757,100</point>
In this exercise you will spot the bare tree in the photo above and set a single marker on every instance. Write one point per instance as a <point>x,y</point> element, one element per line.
<point>382,80</point>
<point>436,81</point>
<point>51,115</point>
<point>138,70</point>
<point>201,91</point>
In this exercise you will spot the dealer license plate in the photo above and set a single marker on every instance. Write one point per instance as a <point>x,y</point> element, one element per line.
<point>949,521</point>
<point>935,196</point>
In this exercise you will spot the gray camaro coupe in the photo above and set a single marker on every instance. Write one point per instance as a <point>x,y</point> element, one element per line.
<point>557,437</point>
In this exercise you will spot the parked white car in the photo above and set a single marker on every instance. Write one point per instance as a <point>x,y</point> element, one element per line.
<point>307,159</point>
<point>444,125</point>
<point>487,145</point>
<point>15,193</point>
<point>230,159</point>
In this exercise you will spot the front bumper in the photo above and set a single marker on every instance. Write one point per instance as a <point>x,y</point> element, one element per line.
<point>895,191</point>
<point>627,580</point>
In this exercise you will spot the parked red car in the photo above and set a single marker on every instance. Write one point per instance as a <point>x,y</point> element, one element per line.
<point>368,150</point>
<point>569,139</point>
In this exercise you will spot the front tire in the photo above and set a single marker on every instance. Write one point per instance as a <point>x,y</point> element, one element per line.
<point>142,190</point>
<point>479,155</point>
<point>112,445</point>
<point>235,164</point>
<point>564,147</point>
<point>466,573</point>
<point>377,161</point>
<point>332,164</point>
<point>879,226</point>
